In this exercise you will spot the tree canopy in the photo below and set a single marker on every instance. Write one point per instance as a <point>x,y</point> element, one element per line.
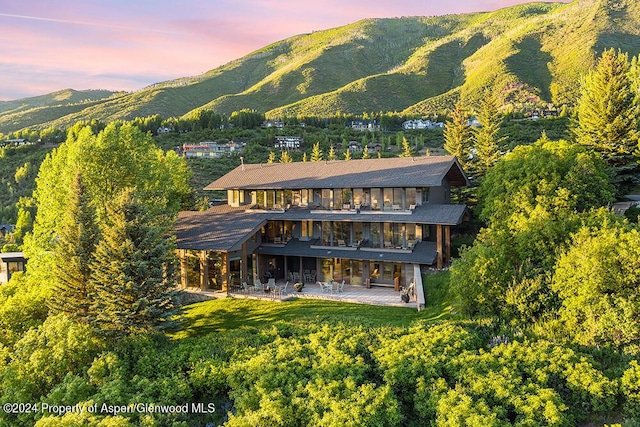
<point>118,157</point>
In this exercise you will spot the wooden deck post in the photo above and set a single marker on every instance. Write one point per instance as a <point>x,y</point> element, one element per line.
<point>439,247</point>
<point>204,271</point>
<point>447,244</point>
<point>244,263</point>
<point>224,258</point>
<point>182,254</point>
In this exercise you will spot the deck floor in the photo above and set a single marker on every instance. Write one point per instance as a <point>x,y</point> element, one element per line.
<point>376,295</point>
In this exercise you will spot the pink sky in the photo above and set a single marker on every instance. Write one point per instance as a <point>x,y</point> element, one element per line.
<point>49,45</point>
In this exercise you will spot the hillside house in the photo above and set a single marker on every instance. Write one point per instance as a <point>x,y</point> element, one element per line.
<point>361,221</point>
<point>421,124</point>
<point>212,150</point>
<point>10,263</point>
<point>288,143</point>
<point>371,125</point>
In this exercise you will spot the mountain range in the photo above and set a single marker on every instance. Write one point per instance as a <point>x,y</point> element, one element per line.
<point>530,54</point>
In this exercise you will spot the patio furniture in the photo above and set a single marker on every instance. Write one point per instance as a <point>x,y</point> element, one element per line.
<point>276,291</point>
<point>340,288</point>
<point>283,289</point>
<point>341,243</point>
<point>271,283</point>
<point>258,286</point>
<point>246,288</point>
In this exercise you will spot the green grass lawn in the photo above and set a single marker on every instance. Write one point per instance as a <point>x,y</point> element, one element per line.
<point>230,313</point>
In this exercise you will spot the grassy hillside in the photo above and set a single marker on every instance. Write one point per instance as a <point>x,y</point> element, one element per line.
<point>530,54</point>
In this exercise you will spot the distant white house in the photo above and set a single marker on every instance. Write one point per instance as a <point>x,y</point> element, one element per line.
<point>421,124</point>
<point>278,124</point>
<point>371,125</point>
<point>210,149</point>
<point>287,143</point>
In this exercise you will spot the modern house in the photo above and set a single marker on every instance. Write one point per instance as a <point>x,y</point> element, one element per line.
<point>287,143</point>
<point>11,262</point>
<point>367,222</point>
<point>210,149</point>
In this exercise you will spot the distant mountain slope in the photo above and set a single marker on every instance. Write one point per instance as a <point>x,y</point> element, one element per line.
<point>531,53</point>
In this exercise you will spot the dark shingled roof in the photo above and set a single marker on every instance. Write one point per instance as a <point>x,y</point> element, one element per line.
<point>429,213</point>
<point>218,229</point>
<point>223,227</point>
<point>426,171</point>
<point>423,253</point>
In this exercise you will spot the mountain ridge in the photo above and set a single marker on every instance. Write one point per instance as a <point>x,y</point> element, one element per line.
<point>529,54</point>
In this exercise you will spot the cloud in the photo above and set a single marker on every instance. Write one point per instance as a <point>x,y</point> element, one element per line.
<point>127,44</point>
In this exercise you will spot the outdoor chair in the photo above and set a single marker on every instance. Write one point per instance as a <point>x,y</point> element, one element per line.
<point>246,288</point>
<point>283,289</point>
<point>340,287</point>
<point>258,286</point>
<point>271,283</point>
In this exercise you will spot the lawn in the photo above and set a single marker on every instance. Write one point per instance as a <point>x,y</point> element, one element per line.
<point>230,313</point>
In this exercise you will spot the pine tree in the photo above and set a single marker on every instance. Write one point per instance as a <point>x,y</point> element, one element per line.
<point>457,135</point>
<point>134,272</point>
<point>74,254</point>
<point>347,155</point>
<point>332,153</point>
<point>486,138</point>
<point>608,115</point>
<point>304,157</point>
<point>316,153</point>
<point>406,148</point>
<point>365,152</point>
<point>272,157</point>
<point>285,157</point>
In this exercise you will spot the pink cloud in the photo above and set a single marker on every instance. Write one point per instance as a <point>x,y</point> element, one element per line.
<point>125,45</point>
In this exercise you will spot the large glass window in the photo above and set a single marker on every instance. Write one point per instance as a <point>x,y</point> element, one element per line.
<point>425,195</point>
<point>337,198</point>
<point>374,234</point>
<point>288,198</point>
<point>346,197</point>
<point>357,232</point>
<point>326,233</point>
<point>306,230</point>
<point>358,196</point>
<point>270,197</point>
<point>376,198</point>
<point>341,233</point>
<point>388,198</point>
<point>410,197</point>
<point>260,199</point>
<point>398,194</point>
<point>326,198</point>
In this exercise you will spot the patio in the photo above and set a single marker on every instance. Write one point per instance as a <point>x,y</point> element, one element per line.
<point>375,295</point>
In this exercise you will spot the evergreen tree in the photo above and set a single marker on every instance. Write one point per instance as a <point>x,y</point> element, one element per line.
<point>285,157</point>
<point>316,153</point>
<point>347,155</point>
<point>486,138</point>
<point>332,153</point>
<point>406,148</point>
<point>272,157</point>
<point>365,152</point>
<point>457,135</point>
<point>304,157</point>
<point>133,272</point>
<point>74,254</point>
<point>608,116</point>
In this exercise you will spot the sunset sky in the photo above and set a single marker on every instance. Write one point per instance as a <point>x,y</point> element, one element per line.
<point>48,45</point>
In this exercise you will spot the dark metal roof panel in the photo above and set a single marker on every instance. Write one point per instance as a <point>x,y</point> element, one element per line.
<point>217,229</point>
<point>426,171</point>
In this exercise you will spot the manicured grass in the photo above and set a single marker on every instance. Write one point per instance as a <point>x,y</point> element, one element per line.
<point>228,314</point>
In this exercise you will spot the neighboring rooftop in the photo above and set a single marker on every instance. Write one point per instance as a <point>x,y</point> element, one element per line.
<point>426,171</point>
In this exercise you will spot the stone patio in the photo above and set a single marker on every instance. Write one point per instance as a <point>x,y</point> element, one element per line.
<point>375,295</point>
